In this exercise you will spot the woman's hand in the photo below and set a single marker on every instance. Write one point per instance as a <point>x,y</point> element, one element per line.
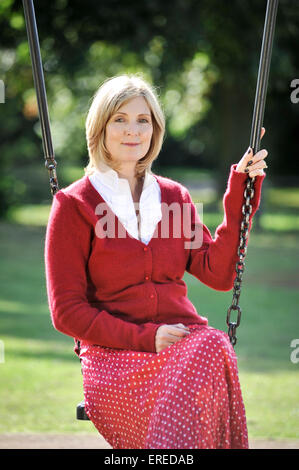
<point>253,164</point>
<point>170,334</point>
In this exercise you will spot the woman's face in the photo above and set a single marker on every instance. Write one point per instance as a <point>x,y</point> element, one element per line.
<point>129,131</point>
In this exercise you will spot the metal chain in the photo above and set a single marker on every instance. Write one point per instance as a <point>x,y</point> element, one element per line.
<point>51,164</point>
<point>242,250</point>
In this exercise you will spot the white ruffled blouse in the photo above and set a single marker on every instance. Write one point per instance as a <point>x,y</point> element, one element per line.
<point>117,194</point>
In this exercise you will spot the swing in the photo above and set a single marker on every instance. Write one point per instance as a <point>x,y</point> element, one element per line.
<point>257,120</point>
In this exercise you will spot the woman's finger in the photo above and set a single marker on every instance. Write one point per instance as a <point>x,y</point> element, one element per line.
<point>178,332</point>
<point>256,173</point>
<point>249,159</point>
<point>183,327</point>
<point>259,164</point>
<point>247,162</point>
<point>260,155</point>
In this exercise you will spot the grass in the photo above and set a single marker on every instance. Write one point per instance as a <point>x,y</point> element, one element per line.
<point>40,378</point>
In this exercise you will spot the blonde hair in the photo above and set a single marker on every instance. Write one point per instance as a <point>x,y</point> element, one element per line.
<point>110,96</point>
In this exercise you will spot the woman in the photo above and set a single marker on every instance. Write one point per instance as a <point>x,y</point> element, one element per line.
<point>155,374</point>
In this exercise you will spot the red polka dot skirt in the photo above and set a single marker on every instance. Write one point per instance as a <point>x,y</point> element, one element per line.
<point>187,396</point>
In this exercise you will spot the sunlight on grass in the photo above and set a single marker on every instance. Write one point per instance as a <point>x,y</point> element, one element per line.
<point>274,221</point>
<point>287,197</point>
<point>30,214</point>
<point>11,306</point>
<point>280,222</point>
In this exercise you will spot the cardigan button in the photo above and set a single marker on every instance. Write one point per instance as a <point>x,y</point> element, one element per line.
<point>146,278</point>
<point>152,296</point>
<point>145,248</point>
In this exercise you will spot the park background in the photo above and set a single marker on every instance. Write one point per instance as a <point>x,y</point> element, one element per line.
<point>202,56</point>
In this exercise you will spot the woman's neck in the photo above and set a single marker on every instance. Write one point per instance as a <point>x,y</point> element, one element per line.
<point>136,184</point>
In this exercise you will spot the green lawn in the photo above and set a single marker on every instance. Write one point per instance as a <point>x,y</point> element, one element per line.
<point>40,378</point>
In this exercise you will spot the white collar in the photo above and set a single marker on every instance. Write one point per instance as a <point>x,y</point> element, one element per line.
<point>109,177</point>
<point>117,194</point>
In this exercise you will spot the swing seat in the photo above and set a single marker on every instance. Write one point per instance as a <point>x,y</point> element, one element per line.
<point>81,413</point>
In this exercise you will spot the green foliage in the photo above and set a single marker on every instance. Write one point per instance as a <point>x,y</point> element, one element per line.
<point>202,56</point>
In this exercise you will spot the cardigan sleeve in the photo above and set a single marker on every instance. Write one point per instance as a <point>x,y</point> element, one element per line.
<point>67,248</point>
<point>214,261</point>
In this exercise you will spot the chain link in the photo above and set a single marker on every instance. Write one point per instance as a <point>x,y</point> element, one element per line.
<point>240,265</point>
<point>51,164</point>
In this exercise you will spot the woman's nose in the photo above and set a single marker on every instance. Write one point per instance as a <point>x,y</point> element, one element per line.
<point>132,129</point>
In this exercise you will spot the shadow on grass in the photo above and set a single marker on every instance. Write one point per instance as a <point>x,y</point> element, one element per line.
<point>36,331</point>
<point>50,354</point>
<point>30,326</point>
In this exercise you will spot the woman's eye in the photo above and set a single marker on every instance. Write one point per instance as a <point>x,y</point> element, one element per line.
<point>142,120</point>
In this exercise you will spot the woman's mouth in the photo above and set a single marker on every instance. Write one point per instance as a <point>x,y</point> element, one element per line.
<point>130,144</point>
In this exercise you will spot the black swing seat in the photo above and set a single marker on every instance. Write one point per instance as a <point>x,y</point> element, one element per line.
<point>81,413</point>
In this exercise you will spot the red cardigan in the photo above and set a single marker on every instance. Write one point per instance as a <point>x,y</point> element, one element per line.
<point>116,292</point>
